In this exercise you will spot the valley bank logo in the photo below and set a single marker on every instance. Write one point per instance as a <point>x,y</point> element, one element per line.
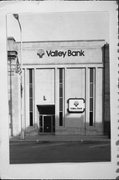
<point>41,53</point>
<point>57,53</point>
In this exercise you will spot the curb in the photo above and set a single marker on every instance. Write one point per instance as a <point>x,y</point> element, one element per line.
<point>60,139</point>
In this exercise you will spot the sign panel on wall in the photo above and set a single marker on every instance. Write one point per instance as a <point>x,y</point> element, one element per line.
<point>76,105</point>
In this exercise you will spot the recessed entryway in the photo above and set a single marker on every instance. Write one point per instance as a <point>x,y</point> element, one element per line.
<point>46,118</point>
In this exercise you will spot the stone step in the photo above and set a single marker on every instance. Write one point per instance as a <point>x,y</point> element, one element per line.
<point>31,131</point>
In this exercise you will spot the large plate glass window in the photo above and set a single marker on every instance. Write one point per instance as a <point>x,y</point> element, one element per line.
<point>31,97</point>
<point>61,96</point>
<point>92,95</point>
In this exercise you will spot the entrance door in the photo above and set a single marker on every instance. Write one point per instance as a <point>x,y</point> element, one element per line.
<point>47,123</point>
<point>46,118</point>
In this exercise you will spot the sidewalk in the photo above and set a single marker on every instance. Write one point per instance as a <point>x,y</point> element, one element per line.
<point>41,138</point>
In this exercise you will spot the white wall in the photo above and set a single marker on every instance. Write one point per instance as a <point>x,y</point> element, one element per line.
<point>74,88</point>
<point>44,86</point>
<point>99,96</point>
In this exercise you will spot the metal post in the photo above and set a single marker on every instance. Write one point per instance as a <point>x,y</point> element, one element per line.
<point>21,86</point>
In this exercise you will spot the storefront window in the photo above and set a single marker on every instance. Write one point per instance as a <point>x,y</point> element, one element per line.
<point>91,109</point>
<point>31,97</point>
<point>61,87</point>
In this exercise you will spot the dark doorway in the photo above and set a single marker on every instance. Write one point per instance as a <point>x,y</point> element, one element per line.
<point>48,124</point>
<point>46,118</point>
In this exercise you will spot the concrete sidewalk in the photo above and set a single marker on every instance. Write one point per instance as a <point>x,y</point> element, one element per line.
<point>41,138</point>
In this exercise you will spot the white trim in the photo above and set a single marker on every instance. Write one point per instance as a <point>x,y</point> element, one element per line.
<point>52,66</point>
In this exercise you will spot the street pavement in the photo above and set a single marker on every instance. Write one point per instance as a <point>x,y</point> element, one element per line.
<point>59,151</point>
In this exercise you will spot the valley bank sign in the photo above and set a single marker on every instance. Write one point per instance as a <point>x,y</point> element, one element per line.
<point>57,53</point>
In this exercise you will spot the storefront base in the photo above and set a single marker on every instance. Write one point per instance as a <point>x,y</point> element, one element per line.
<point>98,130</point>
<point>87,130</point>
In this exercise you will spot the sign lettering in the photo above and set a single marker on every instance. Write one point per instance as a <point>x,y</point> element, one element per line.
<point>57,53</point>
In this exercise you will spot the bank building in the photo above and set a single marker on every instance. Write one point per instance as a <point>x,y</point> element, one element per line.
<point>63,87</point>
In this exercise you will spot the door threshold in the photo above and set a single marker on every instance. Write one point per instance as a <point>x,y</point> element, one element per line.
<point>42,133</point>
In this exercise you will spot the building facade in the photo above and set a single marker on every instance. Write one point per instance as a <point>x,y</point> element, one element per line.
<point>64,89</point>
